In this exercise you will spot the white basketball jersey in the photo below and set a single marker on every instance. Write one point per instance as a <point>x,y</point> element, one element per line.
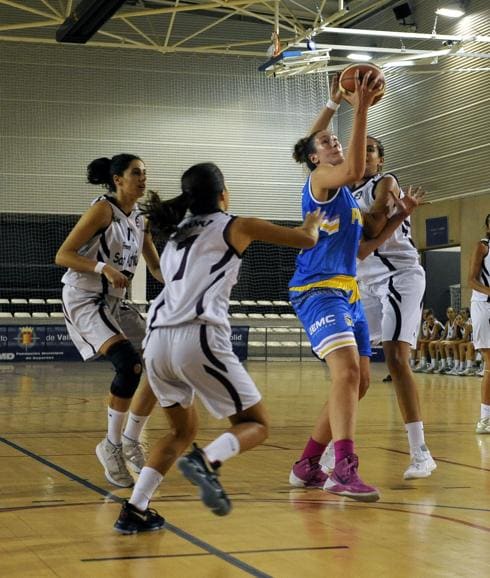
<point>484,275</point>
<point>119,245</point>
<point>200,269</point>
<point>451,330</point>
<point>397,252</point>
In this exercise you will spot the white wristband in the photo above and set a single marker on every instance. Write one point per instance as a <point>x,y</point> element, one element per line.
<point>332,105</point>
<point>98,268</point>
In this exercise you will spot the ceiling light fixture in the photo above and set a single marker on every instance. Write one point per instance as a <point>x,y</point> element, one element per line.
<point>451,10</point>
<point>359,57</point>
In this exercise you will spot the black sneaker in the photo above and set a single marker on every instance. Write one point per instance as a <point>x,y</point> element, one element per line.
<point>195,467</point>
<point>387,379</point>
<point>131,520</point>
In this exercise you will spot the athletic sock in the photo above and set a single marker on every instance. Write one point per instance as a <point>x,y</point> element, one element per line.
<point>312,449</point>
<point>485,411</point>
<point>115,421</point>
<point>135,425</point>
<point>222,448</point>
<point>343,448</point>
<point>415,432</point>
<point>146,485</point>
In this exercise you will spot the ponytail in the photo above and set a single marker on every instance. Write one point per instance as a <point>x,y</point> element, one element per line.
<point>164,216</point>
<point>101,171</point>
<point>304,148</point>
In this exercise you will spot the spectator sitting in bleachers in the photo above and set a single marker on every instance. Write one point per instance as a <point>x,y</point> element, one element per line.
<point>467,351</point>
<point>434,328</point>
<point>451,347</point>
<point>423,334</point>
<point>438,360</point>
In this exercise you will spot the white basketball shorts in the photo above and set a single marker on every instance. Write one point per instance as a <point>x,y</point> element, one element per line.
<point>480,318</point>
<point>198,359</point>
<point>92,319</point>
<point>393,305</point>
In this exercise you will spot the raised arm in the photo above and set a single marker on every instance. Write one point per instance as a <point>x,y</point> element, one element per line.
<point>326,177</point>
<point>479,253</point>
<point>322,122</point>
<point>245,230</point>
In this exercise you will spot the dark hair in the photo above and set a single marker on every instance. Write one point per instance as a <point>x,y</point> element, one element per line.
<point>304,148</point>
<point>101,171</point>
<point>379,145</point>
<point>201,184</point>
<point>487,221</point>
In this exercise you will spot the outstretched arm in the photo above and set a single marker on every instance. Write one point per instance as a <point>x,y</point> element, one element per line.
<point>245,230</point>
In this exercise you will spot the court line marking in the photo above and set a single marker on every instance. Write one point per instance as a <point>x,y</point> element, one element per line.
<point>443,460</point>
<point>168,526</point>
<point>266,551</point>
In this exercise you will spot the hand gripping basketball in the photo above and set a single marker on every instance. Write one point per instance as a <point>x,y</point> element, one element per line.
<point>347,80</point>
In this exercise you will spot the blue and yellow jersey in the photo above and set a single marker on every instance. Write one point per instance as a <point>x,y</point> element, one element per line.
<point>332,261</point>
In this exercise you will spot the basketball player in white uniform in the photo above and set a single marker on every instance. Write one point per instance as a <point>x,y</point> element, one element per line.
<point>101,253</point>
<point>188,349</point>
<point>479,281</point>
<point>392,285</point>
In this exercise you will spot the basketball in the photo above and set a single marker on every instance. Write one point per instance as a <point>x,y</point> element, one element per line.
<point>347,82</point>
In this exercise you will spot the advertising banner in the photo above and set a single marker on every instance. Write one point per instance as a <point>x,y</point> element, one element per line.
<point>52,343</point>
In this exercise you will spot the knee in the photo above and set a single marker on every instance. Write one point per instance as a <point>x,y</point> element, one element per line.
<point>397,363</point>
<point>127,363</point>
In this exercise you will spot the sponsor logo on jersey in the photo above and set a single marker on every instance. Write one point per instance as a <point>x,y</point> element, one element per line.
<point>322,322</point>
<point>348,320</point>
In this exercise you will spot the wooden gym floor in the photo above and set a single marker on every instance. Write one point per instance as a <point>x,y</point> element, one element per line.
<point>57,510</point>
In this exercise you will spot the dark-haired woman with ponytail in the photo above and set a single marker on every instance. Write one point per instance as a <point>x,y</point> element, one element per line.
<point>325,296</point>
<point>188,348</point>
<point>101,254</point>
<point>479,281</point>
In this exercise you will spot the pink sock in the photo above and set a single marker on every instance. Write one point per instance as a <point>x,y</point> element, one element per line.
<point>343,448</point>
<point>313,449</point>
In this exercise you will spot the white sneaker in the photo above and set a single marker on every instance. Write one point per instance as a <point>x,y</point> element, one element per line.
<point>467,371</point>
<point>453,372</point>
<point>480,373</point>
<point>483,426</point>
<point>115,470</point>
<point>420,368</point>
<point>327,459</point>
<point>134,453</point>
<point>421,466</point>
<point>429,369</point>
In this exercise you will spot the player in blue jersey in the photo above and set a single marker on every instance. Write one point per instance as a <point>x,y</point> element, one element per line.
<point>325,297</point>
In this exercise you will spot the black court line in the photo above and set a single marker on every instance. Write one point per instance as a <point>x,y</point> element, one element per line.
<point>442,460</point>
<point>177,531</point>
<point>267,551</point>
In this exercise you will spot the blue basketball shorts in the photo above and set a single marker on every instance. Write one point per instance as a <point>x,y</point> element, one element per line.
<point>330,321</point>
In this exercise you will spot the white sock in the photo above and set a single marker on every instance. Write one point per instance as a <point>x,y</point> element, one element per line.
<point>443,363</point>
<point>146,485</point>
<point>423,360</point>
<point>412,362</point>
<point>135,425</point>
<point>415,432</point>
<point>485,411</point>
<point>222,448</point>
<point>449,361</point>
<point>457,367</point>
<point>469,363</point>
<point>115,421</point>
